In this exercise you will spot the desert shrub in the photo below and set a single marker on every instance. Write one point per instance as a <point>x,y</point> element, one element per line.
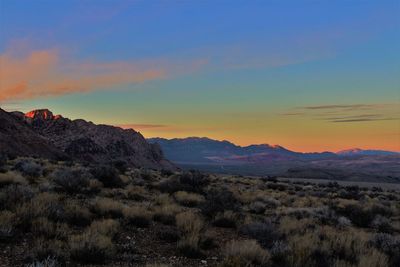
<point>10,178</point>
<point>136,193</point>
<point>7,225</point>
<point>257,207</point>
<point>47,262</point>
<point>168,234</point>
<point>362,216</point>
<point>189,222</point>
<point>108,207</point>
<point>192,181</point>
<point>245,253</point>
<point>107,227</point>
<point>226,219</point>
<point>269,202</point>
<point>29,168</point>
<point>166,213</point>
<point>171,185</point>
<point>95,186</point>
<point>264,232</point>
<point>43,227</point>
<point>13,195</point>
<point>195,179</point>
<point>71,180</point>
<point>277,186</point>
<point>76,214</point>
<point>190,246</point>
<point>382,224</point>
<point>388,244</point>
<point>190,226</point>
<point>166,173</point>
<point>219,200</point>
<point>374,258</point>
<point>138,215</point>
<point>279,252</point>
<point>107,175</point>
<point>188,199</point>
<point>343,222</point>
<point>43,205</point>
<point>208,241</point>
<point>91,247</point>
<point>327,247</point>
<point>44,249</point>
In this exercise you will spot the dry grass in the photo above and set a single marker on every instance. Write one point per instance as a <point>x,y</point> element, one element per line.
<point>138,215</point>
<point>188,199</point>
<point>279,224</point>
<point>108,207</point>
<point>166,213</point>
<point>12,178</point>
<point>190,225</point>
<point>7,224</point>
<point>107,227</point>
<point>91,247</point>
<point>43,227</point>
<point>246,253</point>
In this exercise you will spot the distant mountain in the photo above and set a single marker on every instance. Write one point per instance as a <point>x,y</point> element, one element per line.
<point>361,152</point>
<point>197,150</point>
<point>225,157</point>
<point>80,140</point>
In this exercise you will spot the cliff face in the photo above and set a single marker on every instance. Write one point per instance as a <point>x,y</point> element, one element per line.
<point>86,141</point>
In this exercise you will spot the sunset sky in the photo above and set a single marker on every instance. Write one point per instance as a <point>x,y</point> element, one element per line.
<point>307,75</point>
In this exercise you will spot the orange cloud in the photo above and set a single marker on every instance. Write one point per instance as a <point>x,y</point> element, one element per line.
<point>44,73</point>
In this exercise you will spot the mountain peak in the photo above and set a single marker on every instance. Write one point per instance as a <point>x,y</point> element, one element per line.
<point>41,114</point>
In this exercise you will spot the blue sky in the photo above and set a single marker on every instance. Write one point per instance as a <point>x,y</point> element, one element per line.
<point>226,69</point>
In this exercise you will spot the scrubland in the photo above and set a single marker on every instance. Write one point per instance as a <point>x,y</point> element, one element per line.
<point>67,214</point>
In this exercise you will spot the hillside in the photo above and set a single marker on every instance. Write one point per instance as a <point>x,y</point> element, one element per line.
<point>41,133</point>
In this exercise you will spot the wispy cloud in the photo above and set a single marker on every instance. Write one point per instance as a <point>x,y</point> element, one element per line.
<point>346,107</point>
<point>142,126</point>
<point>46,73</point>
<point>337,113</point>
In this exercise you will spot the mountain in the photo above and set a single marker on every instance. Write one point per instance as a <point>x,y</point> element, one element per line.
<point>18,139</point>
<point>361,152</point>
<point>199,150</point>
<point>85,141</point>
<point>225,157</point>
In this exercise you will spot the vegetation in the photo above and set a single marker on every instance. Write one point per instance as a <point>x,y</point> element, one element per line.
<point>66,214</point>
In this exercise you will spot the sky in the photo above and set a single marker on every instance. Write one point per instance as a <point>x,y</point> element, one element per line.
<point>308,75</point>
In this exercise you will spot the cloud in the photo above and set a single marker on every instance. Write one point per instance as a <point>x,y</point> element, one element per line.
<point>142,126</point>
<point>346,107</point>
<point>360,118</point>
<point>348,112</point>
<point>46,73</point>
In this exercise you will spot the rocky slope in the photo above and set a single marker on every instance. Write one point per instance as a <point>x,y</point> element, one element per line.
<point>18,139</point>
<point>86,141</point>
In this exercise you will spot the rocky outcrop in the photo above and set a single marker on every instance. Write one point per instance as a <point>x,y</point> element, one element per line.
<point>18,139</point>
<point>85,141</point>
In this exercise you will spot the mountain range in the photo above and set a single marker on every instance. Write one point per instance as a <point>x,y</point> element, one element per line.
<point>225,157</point>
<point>40,133</point>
